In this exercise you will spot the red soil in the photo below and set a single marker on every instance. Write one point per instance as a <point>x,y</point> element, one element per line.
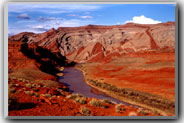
<point>153,43</point>
<point>158,81</point>
<point>80,50</point>
<point>99,57</point>
<point>56,105</point>
<point>60,105</point>
<point>97,48</point>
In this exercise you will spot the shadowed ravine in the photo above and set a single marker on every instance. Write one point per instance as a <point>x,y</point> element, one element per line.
<point>74,79</point>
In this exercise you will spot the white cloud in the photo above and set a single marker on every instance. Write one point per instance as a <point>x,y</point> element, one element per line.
<point>41,19</point>
<point>83,17</point>
<point>86,17</point>
<point>73,15</point>
<point>142,20</point>
<point>58,22</point>
<point>23,16</point>
<point>118,23</point>
<point>40,28</point>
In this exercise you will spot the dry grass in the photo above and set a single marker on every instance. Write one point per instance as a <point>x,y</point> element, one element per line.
<point>95,102</point>
<point>77,98</point>
<point>32,75</point>
<point>46,95</point>
<point>47,83</point>
<point>118,108</point>
<point>107,101</point>
<point>85,111</point>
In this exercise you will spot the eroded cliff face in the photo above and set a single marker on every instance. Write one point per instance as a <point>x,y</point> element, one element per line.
<point>93,43</point>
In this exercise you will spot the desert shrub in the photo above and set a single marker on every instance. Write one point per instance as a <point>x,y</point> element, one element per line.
<point>118,108</point>
<point>81,100</point>
<point>143,112</point>
<point>95,102</point>
<point>93,82</point>
<point>54,96</point>
<point>11,90</point>
<point>59,90</point>
<point>46,95</point>
<point>47,83</point>
<point>77,98</point>
<point>28,85</point>
<point>85,111</point>
<point>61,93</point>
<point>13,77</point>
<point>103,86</point>
<point>155,112</point>
<point>28,74</point>
<point>107,101</point>
<point>36,85</point>
<point>23,89</point>
<point>74,95</point>
<point>45,86</point>
<point>19,79</point>
<point>30,93</point>
<point>23,80</point>
<point>16,85</point>
<point>36,94</point>
<point>17,92</point>
<point>27,81</point>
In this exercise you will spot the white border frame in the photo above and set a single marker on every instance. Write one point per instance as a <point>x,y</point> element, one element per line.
<point>86,2</point>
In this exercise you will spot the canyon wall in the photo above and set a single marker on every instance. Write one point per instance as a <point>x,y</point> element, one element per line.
<point>94,42</point>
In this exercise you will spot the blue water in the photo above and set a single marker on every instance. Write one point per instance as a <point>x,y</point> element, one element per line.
<point>74,79</point>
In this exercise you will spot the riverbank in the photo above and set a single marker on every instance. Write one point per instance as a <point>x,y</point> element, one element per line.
<point>74,80</point>
<point>27,98</point>
<point>151,102</point>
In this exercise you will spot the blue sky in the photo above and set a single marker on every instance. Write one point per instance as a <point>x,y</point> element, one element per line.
<point>38,18</point>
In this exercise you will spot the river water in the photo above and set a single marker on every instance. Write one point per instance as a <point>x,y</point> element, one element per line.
<point>74,79</point>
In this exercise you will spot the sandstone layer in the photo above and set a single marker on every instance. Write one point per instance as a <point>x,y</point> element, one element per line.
<point>94,42</point>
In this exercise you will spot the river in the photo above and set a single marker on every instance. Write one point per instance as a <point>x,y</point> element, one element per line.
<point>74,79</point>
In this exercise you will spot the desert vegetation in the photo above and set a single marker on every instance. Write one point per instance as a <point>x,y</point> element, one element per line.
<point>37,98</point>
<point>126,62</point>
<point>77,98</point>
<point>85,111</point>
<point>140,97</point>
<point>118,108</point>
<point>95,102</point>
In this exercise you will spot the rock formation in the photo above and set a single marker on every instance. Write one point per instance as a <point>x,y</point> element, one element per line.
<point>94,42</point>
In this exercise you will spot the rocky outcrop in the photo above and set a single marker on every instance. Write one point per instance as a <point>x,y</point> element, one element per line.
<point>81,44</point>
